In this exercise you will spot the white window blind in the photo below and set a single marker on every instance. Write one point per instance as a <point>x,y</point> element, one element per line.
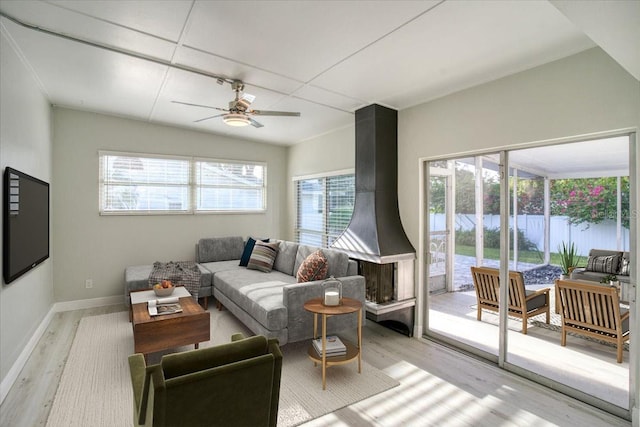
<point>225,186</point>
<point>155,184</point>
<point>133,183</point>
<point>323,209</point>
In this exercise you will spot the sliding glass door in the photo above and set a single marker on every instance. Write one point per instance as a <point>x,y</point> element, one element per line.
<point>510,213</point>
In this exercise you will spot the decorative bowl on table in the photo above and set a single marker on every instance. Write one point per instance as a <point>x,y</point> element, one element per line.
<point>163,289</point>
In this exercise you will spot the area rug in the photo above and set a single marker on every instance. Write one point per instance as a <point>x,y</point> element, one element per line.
<point>95,388</point>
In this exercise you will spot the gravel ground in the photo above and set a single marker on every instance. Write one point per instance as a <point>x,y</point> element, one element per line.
<point>542,275</point>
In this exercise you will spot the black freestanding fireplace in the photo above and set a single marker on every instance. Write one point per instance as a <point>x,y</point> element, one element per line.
<point>375,236</point>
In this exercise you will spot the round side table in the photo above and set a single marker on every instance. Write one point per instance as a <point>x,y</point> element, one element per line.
<point>349,305</point>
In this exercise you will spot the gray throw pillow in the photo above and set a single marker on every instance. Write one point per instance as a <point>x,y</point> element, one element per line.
<point>604,264</point>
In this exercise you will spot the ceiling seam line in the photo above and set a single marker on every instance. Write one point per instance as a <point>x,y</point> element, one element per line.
<point>22,57</point>
<point>165,78</point>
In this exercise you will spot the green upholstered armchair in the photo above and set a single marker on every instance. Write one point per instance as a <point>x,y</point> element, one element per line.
<point>234,384</point>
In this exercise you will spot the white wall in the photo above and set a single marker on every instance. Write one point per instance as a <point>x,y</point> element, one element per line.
<point>334,151</point>
<point>100,247</point>
<point>25,144</point>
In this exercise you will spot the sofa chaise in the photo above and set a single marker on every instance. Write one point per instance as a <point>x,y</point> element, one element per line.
<point>268,303</point>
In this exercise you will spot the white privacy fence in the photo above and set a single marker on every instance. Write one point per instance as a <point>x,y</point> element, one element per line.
<point>585,236</point>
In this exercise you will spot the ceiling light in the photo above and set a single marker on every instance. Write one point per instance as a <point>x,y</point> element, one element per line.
<point>234,119</point>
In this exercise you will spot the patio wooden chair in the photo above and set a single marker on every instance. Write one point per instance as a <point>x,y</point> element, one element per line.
<point>523,303</point>
<point>594,311</point>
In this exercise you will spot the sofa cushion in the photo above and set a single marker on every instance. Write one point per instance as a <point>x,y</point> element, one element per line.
<point>624,264</point>
<point>604,264</point>
<point>314,267</point>
<point>220,248</point>
<point>263,256</point>
<point>248,249</point>
<point>215,267</point>
<point>258,294</point>
<point>338,261</point>
<point>286,258</point>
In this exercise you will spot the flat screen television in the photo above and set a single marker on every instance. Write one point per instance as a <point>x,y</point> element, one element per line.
<point>25,223</point>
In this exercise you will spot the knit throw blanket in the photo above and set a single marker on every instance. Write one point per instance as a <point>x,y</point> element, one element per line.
<point>184,273</point>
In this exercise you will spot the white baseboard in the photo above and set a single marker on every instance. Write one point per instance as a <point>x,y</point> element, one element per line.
<point>87,303</point>
<point>14,372</point>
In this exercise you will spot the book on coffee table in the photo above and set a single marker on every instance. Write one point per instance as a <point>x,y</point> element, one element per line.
<point>161,306</point>
<point>334,346</point>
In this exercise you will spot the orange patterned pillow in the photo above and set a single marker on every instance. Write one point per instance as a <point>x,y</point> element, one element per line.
<point>314,267</point>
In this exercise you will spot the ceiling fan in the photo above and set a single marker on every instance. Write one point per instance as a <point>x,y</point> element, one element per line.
<point>239,113</point>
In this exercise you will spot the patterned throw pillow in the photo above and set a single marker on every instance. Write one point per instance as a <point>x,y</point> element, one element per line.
<point>263,256</point>
<point>248,249</point>
<point>604,264</point>
<point>314,267</point>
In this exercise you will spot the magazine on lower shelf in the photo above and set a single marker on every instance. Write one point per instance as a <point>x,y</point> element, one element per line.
<point>161,306</point>
<point>334,346</point>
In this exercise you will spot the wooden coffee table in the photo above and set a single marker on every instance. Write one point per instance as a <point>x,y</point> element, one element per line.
<point>156,333</point>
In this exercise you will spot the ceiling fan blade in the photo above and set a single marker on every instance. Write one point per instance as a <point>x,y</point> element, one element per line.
<point>273,113</point>
<point>199,105</point>
<point>207,118</point>
<point>254,123</point>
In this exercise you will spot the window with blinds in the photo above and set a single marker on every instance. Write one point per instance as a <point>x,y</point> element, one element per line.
<point>224,186</point>
<point>155,184</point>
<point>323,209</point>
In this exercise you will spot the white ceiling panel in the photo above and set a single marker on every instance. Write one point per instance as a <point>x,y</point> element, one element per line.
<point>614,25</point>
<point>80,76</point>
<point>51,17</point>
<point>314,120</point>
<point>551,161</point>
<point>457,45</point>
<point>144,16</point>
<point>294,39</point>
<point>331,99</point>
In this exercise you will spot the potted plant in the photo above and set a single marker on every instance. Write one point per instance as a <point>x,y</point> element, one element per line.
<point>611,280</point>
<point>569,259</point>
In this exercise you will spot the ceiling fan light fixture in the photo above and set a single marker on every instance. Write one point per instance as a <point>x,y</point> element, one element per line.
<point>237,120</point>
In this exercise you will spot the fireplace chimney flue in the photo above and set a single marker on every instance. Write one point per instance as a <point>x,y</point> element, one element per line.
<point>375,233</point>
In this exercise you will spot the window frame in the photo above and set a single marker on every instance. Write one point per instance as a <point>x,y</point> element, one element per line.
<point>324,235</point>
<point>192,185</point>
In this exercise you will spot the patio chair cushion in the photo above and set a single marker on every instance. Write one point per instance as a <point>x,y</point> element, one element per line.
<point>536,302</point>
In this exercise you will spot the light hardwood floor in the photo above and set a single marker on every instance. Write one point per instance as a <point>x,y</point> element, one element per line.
<point>439,387</point>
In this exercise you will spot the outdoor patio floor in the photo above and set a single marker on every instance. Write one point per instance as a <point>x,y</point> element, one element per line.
<point>584,365</point>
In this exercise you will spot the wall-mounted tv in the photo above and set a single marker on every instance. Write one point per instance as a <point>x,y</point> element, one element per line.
<point>25,234</point>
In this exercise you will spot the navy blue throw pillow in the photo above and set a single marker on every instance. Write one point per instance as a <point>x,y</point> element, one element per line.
<point>248,249</point>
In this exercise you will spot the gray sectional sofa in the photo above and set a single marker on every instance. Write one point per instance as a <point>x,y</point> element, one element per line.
<point>618,265</point>
<point>269,304</point>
